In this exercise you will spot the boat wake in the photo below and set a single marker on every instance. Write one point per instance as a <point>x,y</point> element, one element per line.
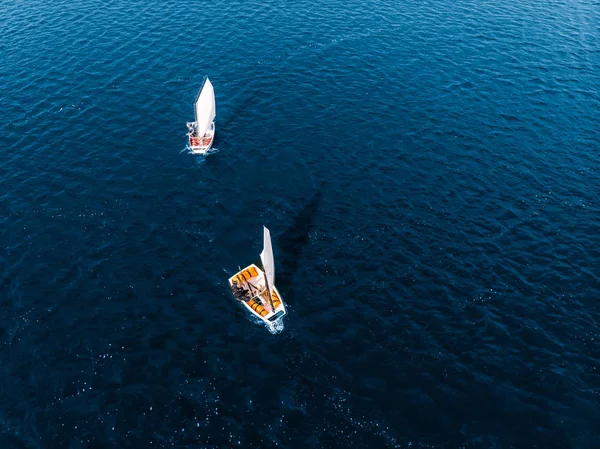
<point>276,328</point>
<point>188,150</point>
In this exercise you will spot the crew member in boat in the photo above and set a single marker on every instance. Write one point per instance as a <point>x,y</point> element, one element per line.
<point>240,292</point>
<point>190,126</point>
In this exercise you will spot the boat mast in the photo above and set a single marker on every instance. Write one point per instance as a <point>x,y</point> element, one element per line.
<point>268,264</point>
<point>269,292</point>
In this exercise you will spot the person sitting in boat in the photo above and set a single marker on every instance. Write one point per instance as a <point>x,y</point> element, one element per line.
<point>240,292</point>
<point>190,126</point>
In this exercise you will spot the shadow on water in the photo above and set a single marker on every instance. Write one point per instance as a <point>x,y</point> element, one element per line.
<point>295,238</point>
<point>243,102</point>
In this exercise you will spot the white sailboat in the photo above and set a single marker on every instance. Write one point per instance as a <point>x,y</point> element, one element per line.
<point>202,131</point>
<point>255,287</point>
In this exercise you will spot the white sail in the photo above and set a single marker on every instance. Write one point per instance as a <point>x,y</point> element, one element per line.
<point>267,260</point>
<point>205,108</point>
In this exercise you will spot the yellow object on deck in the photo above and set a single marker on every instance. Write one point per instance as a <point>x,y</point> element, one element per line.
<point>246,275</point>
<point>276,300</point>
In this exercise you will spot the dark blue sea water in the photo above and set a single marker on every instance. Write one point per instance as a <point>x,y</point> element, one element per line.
<point>430,174</point>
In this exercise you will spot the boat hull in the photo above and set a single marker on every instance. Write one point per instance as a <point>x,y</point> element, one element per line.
<point>256,302</point>
<point>201,145</point>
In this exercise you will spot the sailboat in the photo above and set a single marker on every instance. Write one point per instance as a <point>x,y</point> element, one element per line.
<point>255,287</point>
<point>202,131</point>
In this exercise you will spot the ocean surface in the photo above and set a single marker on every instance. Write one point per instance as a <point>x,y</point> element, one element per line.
<point>430,174</point>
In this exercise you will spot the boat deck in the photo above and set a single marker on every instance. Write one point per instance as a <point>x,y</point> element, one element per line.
<point>254,280</point>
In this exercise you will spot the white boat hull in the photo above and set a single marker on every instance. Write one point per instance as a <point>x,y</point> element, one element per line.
<point>257,302</point>
<point>201,145</point>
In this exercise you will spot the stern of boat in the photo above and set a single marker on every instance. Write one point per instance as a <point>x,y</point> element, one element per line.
<point>204,143</point>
